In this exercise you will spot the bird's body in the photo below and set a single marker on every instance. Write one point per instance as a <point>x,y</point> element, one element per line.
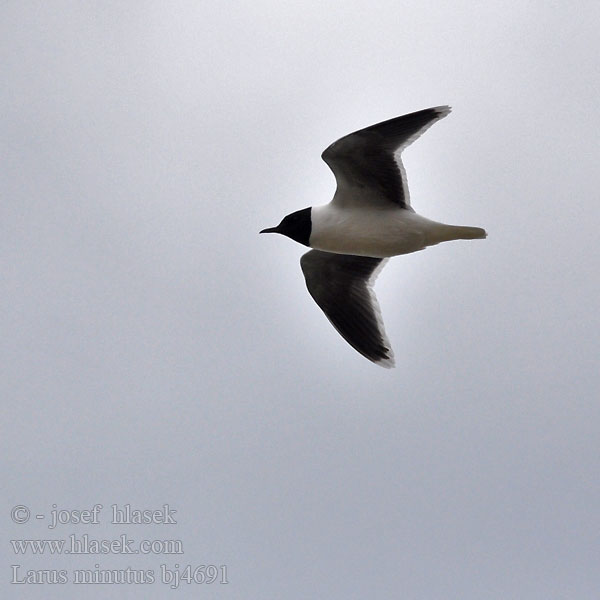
<point>368,220</point>
<point>381,232</point>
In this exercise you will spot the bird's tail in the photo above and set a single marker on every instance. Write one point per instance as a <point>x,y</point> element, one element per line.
<point>446,233</point>
<point>467,233</point>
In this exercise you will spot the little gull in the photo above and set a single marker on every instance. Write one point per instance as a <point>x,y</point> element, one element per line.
<point>368,220</point>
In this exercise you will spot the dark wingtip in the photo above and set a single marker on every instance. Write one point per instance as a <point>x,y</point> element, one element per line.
<point>443,111</point>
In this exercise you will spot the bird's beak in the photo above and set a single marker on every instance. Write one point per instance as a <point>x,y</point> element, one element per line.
<point>269,230</point>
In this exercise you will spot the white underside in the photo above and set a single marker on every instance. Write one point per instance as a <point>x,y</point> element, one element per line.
<point>375,231</point>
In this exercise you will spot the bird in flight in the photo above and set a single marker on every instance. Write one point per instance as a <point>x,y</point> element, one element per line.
<point>368,220</point>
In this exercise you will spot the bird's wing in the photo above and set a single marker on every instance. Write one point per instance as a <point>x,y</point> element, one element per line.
<point>341,284</point>
<point>365,164</point>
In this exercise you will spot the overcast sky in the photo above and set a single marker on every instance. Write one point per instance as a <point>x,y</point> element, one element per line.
<point>156,350</point>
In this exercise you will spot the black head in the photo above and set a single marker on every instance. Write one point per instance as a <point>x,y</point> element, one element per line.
<point>296,226</point>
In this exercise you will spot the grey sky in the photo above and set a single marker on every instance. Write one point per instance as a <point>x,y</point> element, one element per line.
<point>156,350</point>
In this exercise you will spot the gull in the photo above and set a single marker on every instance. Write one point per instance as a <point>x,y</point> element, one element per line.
<point>368,220</point>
